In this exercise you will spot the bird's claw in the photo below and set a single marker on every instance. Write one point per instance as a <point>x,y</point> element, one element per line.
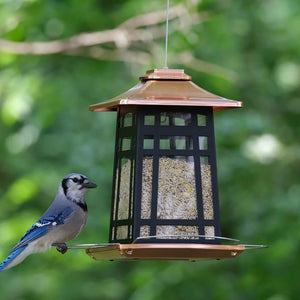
<point>61,247</point>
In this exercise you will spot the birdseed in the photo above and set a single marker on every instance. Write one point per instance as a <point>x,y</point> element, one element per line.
<point>176,198</point>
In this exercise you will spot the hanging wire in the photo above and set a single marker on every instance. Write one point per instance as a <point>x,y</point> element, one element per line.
<point>167,33</point>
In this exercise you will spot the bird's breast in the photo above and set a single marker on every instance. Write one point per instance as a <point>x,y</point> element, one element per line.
<point>70,229</point>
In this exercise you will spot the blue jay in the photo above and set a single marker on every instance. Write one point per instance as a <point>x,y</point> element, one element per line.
<point>61,222</point>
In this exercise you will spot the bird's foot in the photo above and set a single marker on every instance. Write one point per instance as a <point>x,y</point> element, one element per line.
<point>61,247</point>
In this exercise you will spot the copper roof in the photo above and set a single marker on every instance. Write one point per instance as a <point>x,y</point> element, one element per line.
<point>171,87</point>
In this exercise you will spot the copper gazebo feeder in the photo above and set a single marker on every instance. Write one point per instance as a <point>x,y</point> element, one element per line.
<point>165,196</point>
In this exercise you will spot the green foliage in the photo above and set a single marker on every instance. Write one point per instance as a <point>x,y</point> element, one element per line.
<point>48,132</point>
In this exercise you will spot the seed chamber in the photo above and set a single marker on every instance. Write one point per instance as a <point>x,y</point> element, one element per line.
<point>165,176</point>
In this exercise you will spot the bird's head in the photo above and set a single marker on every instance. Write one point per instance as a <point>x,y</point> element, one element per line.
<point>76,185</point>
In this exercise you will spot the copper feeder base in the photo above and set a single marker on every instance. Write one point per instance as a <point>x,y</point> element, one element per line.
<point>186,252</point>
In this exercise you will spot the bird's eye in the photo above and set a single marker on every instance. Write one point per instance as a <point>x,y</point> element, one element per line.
<point>75,179</point>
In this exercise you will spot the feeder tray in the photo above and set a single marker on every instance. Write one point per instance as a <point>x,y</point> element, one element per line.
<point>165,251</point>
<point>185,252</point>
<point>171,251</point>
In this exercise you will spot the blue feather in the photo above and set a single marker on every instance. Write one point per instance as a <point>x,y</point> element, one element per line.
<point>12,256</point>
<point>42,226</point>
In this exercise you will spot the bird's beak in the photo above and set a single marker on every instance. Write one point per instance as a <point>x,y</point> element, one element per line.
<point>89,185</point>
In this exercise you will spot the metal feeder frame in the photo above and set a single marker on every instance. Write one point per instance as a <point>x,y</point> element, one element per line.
<point>163,92</point>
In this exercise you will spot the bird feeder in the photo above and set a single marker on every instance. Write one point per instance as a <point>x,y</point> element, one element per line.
<point>165,203</point>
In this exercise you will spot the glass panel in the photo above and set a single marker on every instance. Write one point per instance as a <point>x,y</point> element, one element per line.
<point>182,119</point>
<point>207,195</point>
<point>124,192</point>
<point>182,232</point>
<point>179,122</point>
<point>164,119</point>
<point>148,142</point>
<point>209,231</point>
<point>203,142</point>
<point>176,188</point>
<point>176,142</point>
<point>122,232</point>
<point>180,144</point>
<point>146,188</point>
<point>164,143</point>
<point>174,118</point>
<point>126,144</point>
<point>132,188</point>
<point>116,195</point>
<point>113,233</point>
<point>145,231</point>
<point>204,160</point>
<point>128,120</point>
<point>183,143</point>
<point>149,120</point>
<point>201,120</point>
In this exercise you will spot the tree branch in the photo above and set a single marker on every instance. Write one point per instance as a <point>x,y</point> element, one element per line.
<point>122,36</point>
<point>194,63</point>
<point>142,28</point>
<point>121,55</point>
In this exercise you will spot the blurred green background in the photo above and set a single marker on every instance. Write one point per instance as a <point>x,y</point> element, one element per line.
<point>244,50</point>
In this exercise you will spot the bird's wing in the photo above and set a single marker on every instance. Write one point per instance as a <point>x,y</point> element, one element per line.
<point>42,226</point>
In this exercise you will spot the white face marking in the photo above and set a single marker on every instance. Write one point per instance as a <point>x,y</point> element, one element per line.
<point>74,186</point>
<point>75,190</point>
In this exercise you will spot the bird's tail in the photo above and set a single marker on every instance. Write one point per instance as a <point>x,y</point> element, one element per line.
<point>14,258</point>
